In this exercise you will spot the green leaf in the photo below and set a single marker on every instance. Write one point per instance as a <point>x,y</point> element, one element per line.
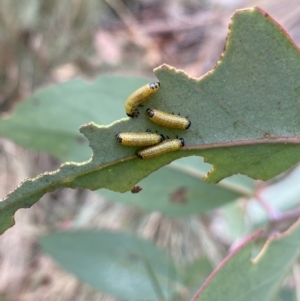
<point>49,120</point>
<point>196,166</point>
<point>286,294</point>
<point>240,278</point>
<point>118,264</point>
<point>176,192</point>
<point>196,274</point>
<point>233,215</point>
<point>244,118</point>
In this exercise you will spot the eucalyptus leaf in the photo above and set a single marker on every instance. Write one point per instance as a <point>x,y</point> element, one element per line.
<point>241,278</point>
<point>244,117</point>
<point>175,193</point>
<point>118,264</point>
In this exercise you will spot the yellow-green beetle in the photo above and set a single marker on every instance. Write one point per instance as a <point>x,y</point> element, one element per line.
<point>139,139</point>
<point>137,97</point>
<point>168,120</point>
<point>164,147</point>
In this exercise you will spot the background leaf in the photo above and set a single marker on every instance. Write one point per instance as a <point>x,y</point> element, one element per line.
<point>237,278</point>
<point>118,264</point>
<point>176,192</point>
<point>49,120</point>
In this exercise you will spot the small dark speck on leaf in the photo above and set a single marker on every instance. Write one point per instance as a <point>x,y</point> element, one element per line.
<point>297,89</point>
<point>279,105</point>
<point>80,140</point>
<point>179,196</point>
<point>136,189</point>
<point>267,135</point>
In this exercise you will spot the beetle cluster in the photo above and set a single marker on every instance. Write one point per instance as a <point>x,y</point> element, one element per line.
<point>156,143</point>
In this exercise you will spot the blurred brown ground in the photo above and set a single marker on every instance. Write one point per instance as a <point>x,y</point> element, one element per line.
<point>45,42</point>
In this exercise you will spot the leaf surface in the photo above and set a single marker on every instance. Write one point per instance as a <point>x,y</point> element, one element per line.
<point>176,192</point>
<point>49,120</point>
<point>240,278</point>
<point>118,264</point>
<point>244,116</point>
